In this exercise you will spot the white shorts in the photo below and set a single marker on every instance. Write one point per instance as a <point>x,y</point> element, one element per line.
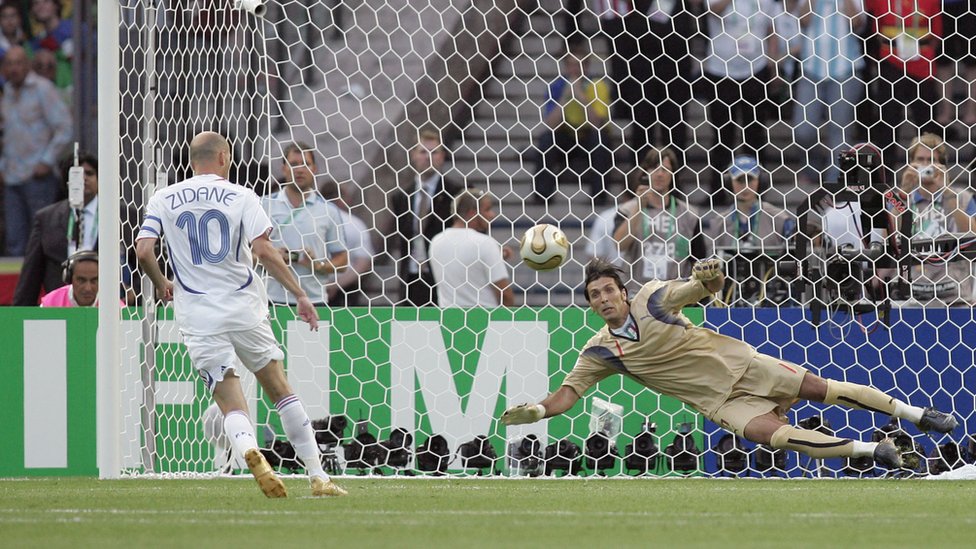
<point>214,355</point>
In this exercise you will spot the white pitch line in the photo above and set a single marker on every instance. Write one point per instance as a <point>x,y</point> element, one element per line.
<point>242,515</point>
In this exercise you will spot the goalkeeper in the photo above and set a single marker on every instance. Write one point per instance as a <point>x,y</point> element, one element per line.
<point>648,339</point>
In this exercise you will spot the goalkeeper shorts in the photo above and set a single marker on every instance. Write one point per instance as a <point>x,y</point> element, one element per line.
<point>213,355</point>
<point>768,385</point>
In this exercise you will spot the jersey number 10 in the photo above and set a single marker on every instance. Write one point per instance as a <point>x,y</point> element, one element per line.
<point>200,238</point>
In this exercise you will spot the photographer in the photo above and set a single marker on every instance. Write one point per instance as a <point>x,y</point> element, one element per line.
<point>306,229</point>
<point>937,210</point>
<point>751,233</point>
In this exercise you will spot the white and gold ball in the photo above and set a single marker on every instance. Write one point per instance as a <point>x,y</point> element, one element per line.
<point>544,247</point>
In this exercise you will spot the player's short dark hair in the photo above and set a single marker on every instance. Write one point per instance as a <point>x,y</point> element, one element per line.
<point>600,268</point>
<point>301,148</point>
<point>467,201</point>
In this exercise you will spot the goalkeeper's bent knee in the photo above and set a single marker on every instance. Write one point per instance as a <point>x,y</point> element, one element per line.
<point>812,443</point>
<point>853,395</point>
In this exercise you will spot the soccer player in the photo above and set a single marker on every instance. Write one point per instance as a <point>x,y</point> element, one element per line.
<point>648,339</point>
<point>212,228</point>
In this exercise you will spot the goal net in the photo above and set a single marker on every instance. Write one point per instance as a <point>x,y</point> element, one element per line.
<point>654,116</point>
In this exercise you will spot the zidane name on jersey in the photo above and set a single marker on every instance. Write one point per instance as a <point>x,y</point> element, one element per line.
<point>209,224</point>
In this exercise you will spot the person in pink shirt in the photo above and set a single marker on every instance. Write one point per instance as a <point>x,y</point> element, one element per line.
<point>80,276</point>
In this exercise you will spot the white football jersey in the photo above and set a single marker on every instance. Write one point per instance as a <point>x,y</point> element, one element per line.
<point>465,263</point>
<point>209,224</point>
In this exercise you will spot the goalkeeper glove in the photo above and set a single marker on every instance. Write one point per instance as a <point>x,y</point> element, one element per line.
<point>707,270</point>
<point>523,413</point>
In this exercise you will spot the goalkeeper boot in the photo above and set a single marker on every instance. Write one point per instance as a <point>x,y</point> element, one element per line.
<point>934,420</point>
<point>323,487</point>
<point>888,455</point>
<point>269,482</point>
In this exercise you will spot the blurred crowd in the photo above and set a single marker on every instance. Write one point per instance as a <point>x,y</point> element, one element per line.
<point>898,75</point>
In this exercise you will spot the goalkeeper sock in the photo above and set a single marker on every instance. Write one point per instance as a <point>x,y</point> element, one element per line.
<point>812,443</point>
<point>907,411</point>
<point>863,449</point>
<point>240,432</point>
<point>853,395</point>
<point>298,429</point>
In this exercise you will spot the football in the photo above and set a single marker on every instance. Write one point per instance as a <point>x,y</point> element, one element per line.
<point>544,247</point>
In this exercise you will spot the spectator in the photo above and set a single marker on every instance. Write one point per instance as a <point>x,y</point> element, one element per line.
<point>750,222</point>
<point>938,209</point>
<point>346,291</point>
<point>305,229</point>
<point>650,68</point>
<point>55,36</point>
<point>469,266</point>
<point>11,27</point>
<point>37,129</point>
<point>751,231</point>
<point>741,59</point>
<point>60,231</point>
<point>829,86</point>
<point>957,63</point>
<point>575,116</point>
<point>908,35</point>
<point>659,234</point>
<point>80,277</point>
<point>45,65</point>
<point>422,210</point>
<point>924,150</point>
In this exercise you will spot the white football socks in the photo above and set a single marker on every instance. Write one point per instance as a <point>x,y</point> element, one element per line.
<point>240,432</point>
<point>907,411</point>
<point>298,429</point>
<point>863,449</point>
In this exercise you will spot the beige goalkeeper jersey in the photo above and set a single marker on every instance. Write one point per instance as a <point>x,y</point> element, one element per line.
<point>668,353</point>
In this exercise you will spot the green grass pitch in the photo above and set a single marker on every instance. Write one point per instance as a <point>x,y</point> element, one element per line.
<point>489,513</point>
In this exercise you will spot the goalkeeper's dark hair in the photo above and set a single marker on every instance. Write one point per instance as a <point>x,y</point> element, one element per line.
<point>600,268</point>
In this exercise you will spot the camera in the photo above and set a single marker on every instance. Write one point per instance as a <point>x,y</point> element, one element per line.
<point>363,452</point>
<point>329,432</point>
<point>525,456</point>
<point>433,455</point>
<point>478,454</point>
<point>683,453</point>
<point>926,172</point>
<point>599,453</point>
<point>395,451</point>
<point>860,274</point>
<point>563,456</point>
<point>642,455</point>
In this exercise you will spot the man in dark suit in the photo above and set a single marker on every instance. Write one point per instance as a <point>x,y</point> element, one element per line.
<point>421,211</point>
<point>58,231</point>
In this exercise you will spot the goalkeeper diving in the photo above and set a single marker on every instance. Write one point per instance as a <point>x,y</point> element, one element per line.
<point>649,339</point>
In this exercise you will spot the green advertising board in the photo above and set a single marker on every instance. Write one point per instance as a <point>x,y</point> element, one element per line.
<point>429,371</point>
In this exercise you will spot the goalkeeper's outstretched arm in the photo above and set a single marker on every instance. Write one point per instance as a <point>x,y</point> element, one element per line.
<point>553,405</point>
